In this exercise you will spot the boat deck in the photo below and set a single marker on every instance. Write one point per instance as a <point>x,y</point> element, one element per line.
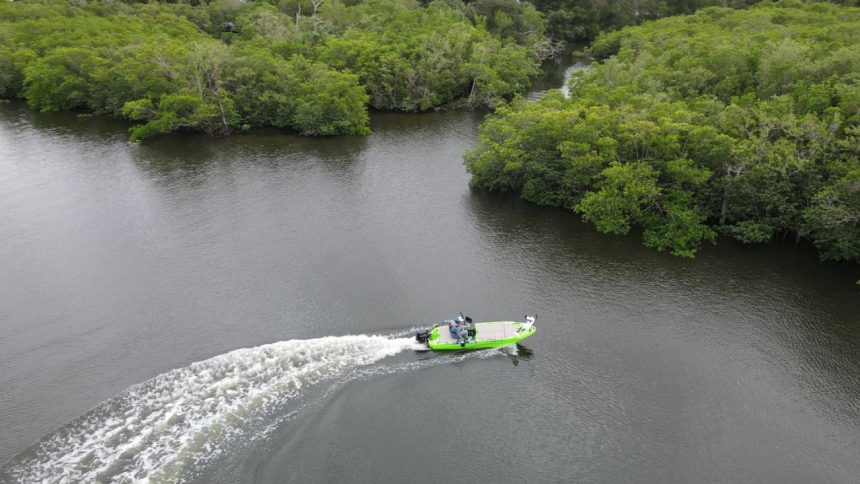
<point>485,332</point>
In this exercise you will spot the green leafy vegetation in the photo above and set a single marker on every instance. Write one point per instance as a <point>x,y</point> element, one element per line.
<point>739,122</point>
<point>309,65</point>
<point>585,19</point>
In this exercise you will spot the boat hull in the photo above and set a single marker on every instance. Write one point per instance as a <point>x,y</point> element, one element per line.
<point>487,335</point>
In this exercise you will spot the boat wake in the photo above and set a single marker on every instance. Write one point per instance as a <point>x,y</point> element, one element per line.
<point>164,428</point>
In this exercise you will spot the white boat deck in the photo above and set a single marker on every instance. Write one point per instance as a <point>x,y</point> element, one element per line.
<point>485,332</point>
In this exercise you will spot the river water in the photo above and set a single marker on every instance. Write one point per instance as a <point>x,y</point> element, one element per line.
<point>240,310</point>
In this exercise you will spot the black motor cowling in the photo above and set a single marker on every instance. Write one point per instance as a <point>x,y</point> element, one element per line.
<point>422,336</point>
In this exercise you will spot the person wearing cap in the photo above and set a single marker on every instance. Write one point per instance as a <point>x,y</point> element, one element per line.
<point>455,327</point>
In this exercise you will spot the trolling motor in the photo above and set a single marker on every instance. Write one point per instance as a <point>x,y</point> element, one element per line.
<point>530,321</point>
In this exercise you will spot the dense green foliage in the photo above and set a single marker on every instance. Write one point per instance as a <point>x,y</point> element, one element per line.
<point>585,19</point>
<point>740,122</point>
<point>308,65</point>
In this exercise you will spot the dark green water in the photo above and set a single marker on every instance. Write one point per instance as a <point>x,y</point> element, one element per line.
<point>123,265</point>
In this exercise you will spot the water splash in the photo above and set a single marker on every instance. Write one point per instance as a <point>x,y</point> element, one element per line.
<point>157,430</point>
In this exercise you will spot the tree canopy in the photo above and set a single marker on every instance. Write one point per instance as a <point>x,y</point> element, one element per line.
<point>314,66</point>
<point>739,122</point>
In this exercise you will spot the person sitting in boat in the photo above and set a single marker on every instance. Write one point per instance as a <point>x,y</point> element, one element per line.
<point>455,326</point>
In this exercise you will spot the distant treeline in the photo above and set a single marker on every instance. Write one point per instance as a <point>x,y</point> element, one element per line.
<point>585,19</point>
<point>739,122</point>
<point>309,65</point>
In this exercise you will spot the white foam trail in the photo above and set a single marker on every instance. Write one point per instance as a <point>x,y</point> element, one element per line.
<point>155,430</point>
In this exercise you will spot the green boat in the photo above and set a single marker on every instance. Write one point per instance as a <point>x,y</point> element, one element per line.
<point>480,335</point>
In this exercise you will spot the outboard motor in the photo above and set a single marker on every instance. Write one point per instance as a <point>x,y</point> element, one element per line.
<point>422,335</point>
